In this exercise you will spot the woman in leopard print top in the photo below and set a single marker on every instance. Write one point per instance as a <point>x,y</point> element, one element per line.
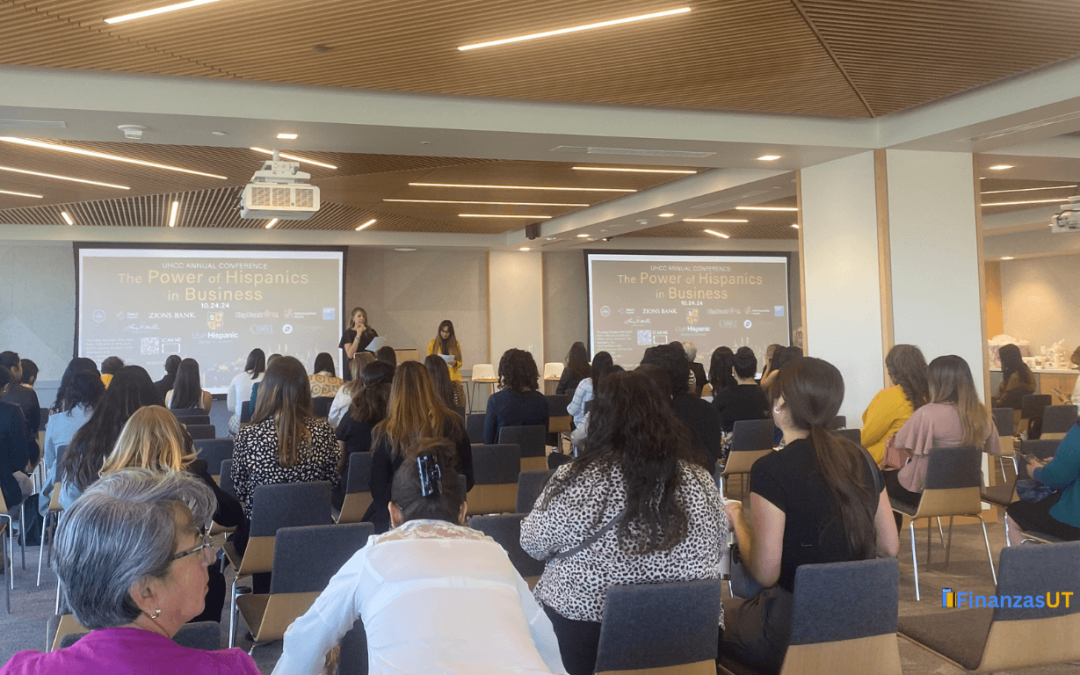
<point>638,471</point>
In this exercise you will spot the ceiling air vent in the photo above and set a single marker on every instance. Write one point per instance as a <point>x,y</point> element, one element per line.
<point>634,152</point>
<point>33,124</point>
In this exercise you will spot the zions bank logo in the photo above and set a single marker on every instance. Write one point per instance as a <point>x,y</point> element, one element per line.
<point>1052,599</point>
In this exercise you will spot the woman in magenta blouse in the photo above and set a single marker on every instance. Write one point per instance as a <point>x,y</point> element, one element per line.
<point>132,554</point>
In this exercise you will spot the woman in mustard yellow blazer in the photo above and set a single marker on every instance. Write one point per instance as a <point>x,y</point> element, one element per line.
<point>446,343</point>
<point>893,406</point>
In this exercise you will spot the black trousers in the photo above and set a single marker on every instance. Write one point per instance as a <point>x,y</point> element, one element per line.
<point>578,642</point>
<point>900,493</point>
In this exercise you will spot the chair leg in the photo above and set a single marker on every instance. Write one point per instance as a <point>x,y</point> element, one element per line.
<point>41,550</point>
<point>7,591</point>
<point>9,550</point>
<point>929,540</point>
<point>232,615</point>
<point>941,534</point>
<point>57,609</point>
<point>948,548</point>
<point>989,555</point>
<point>1005,518</point>
<point>22,532</point>
<point>914,559</point>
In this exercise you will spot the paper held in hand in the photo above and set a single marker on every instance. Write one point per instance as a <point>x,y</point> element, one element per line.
<point>376,344</point>
<point>449,358</point>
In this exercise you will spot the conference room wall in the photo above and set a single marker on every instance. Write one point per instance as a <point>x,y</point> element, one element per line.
<point>1040,302</point>
<point>566,305</point>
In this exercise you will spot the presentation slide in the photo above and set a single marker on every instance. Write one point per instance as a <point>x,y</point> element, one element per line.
<point>637,301</point>
<point>215,306</point>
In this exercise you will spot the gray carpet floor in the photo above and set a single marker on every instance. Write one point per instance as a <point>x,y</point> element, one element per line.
<point>31,606</point>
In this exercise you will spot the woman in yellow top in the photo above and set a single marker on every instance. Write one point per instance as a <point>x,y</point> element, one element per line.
<point>446,343</point>
<point>894,405</point>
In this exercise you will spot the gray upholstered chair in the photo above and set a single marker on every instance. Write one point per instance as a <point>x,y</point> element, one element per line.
<point>305,558</point>
<point>853,435</point>
<point>1057,420</point>
<point>532,440</point>
<point>214,451</point>
<point>984,640</point>
<point>1044,449</point>
<point>184,413</point>
<point>1031,410</point>
<point>353,658</point>
<point>843,621</point>
<point>495,477</point>
<point>275,507</point>
<point>506,530</point>
<point>204,635</point>
<point>838,422</point>
<point>953,483</point>
<point>750,441</point>
<point>530,485</point>
<point>245,412</point>
<point>650,628</point>
<point>200,431</point>
<point>357,488</point>
<point>226,477</point>
<point>474,427</point>
<point>196,416</point>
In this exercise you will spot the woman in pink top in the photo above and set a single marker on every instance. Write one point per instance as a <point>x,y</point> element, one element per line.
<point>132,554</point>
<point>954,417</point>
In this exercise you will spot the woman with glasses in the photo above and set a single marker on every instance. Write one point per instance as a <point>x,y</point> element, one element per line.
<point>132,555</point>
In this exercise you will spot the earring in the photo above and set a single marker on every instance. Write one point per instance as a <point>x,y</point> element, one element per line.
<point>776,410</point>
<point>156,614</point>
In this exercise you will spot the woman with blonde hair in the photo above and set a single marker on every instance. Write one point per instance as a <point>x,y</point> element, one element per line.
<point>353,384</point>
<point>414,411</point>
<point>154,439</point>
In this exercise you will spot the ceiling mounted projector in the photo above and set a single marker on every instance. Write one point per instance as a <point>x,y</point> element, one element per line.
<point>1068,219</point>
<point>279,190</point>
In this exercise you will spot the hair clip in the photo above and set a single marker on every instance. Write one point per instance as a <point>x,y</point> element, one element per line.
<point>430,476</point>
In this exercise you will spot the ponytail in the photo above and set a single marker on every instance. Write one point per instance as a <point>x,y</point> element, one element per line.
<point>843,467</point>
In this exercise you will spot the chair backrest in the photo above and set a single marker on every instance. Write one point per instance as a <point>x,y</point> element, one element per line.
<point>530,439</point>
<point>853,435</point>
<point>1029,635</point>
<point>354,655</point>
<point>188,412</point>
<point>1044,448</point>
<point>557,404</point>
<point>1032,405</point>
<point>653,626</point>
<point>306,557</point>
<point>495,474</point>
<point>844,619</point>
<point>474,427</point>
<point>199,431</point>
<point>953,479</point>
<point>214,451</point>
<point>838,422</point>
<point>357,488</point>
<point>404,355</point>
<point>530,485</point>
<point>245,411</point>
<point>1004,421</point>
<point>483,371</point>
<point>188,420</point>
<point>320,406</point>
<point>749,435</point>
<point>289,505</point>
<point>506,531</point>
<point>460,410</point>
<point>225,482</point>
<point>204,635</point>
<point>553,371</point>
<point>1058,419</point>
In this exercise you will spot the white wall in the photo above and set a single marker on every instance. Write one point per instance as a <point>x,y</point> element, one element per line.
<point>1040,300</point>
<point>516,303</point>
<point>840,254</point>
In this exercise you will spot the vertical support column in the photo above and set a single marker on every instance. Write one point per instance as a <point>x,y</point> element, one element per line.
<point>881,186</point>
<point>516,303</point>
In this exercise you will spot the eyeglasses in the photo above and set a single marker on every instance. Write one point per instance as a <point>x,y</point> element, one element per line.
<point>206,543</point>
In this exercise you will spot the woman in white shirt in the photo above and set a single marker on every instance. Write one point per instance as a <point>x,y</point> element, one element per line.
<point>584,392</point>
<point>240,387</point>
<point>469,612</point>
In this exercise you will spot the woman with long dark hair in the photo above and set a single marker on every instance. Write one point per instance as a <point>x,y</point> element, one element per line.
<point>517,403</point>
<point>368,408</point>
<point>892,407</point>
<point>358,334</point>
<point>818,500</point>
<point>1017,380</point>
<point>240,387</point>
<point>577,368</point>
<point>74,366</point>
<point>165,384</point>
<point>720,369</point>
<point>439,373</point>
<point>323,379</point>
<point>633,508</point>
<point>446,343</point>
<point>78,395</point>
<point>601,361</point>
<point>130,389</point>
<point>187,392</point>
<point>414,411</point>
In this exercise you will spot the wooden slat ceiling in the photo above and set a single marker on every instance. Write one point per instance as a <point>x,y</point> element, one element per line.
<point>847,58</point>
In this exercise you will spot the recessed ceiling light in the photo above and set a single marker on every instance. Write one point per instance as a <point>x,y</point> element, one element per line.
<point>552,238</point>
<point>498,215</point>
<point>605,168</point>
<point>766,208</point>
<point>51,175</point>
<point>102,155</point>
<point>452,201</point>
<point>288,137</point>
<point>666,215</point>
<point>271,223</point>
<point>719,234</point>
<point>67,218</point>
<point>172,213</point>
<point>524,248</point>
<point>795,225</point>
<point>575,29</point>
<point>159,10</point>
<point>583,236</point>
<point>1051,187</point>
<point>768,158</point>
<point>295,158</point>
<point>1008,257</point>
<point>715,220</point>
<point>218,133</point>
<point>1001,167</point>
<point>1029,201</point>
<point>368,223</point>
<point>20,194</point>
<point>520,187</point>
<point>405,250</point>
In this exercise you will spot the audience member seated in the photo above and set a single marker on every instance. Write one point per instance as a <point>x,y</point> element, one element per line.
<point>324,380</point>
<point>132,555</point>
<point>744,400</point>
<point>1058,514</point>
<point>109,367</point>
<point>165,384</point>
<point>241,385</point>
<point>697,371</point>
<point>15,485</point>
<point>353,384</point>
<point>954,417</point>
<point>581,433</point>
<point>368,409</point>
<point>1017,380</point>
<point>517,403</point>
<point>444,387</point>
<point>26,398</point>
<point>697,414</point>
<point>473,598</point>
<point>772,352</point>
<point>130,390</point>
<point>820,499</point>
<point>446,343</point>
<point>781,358</point>
<point>601,361</point>
<point>413,411</point>
<point>29,373</point>
<point>79,392</point>
<point>892,407</point>
<point>720,364</point>
<point>576,369</point>
<point>255,386</point>
<point>633,508</point>
<point>154,439</point>
<point>386,354</point>
<point>187,392</point>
